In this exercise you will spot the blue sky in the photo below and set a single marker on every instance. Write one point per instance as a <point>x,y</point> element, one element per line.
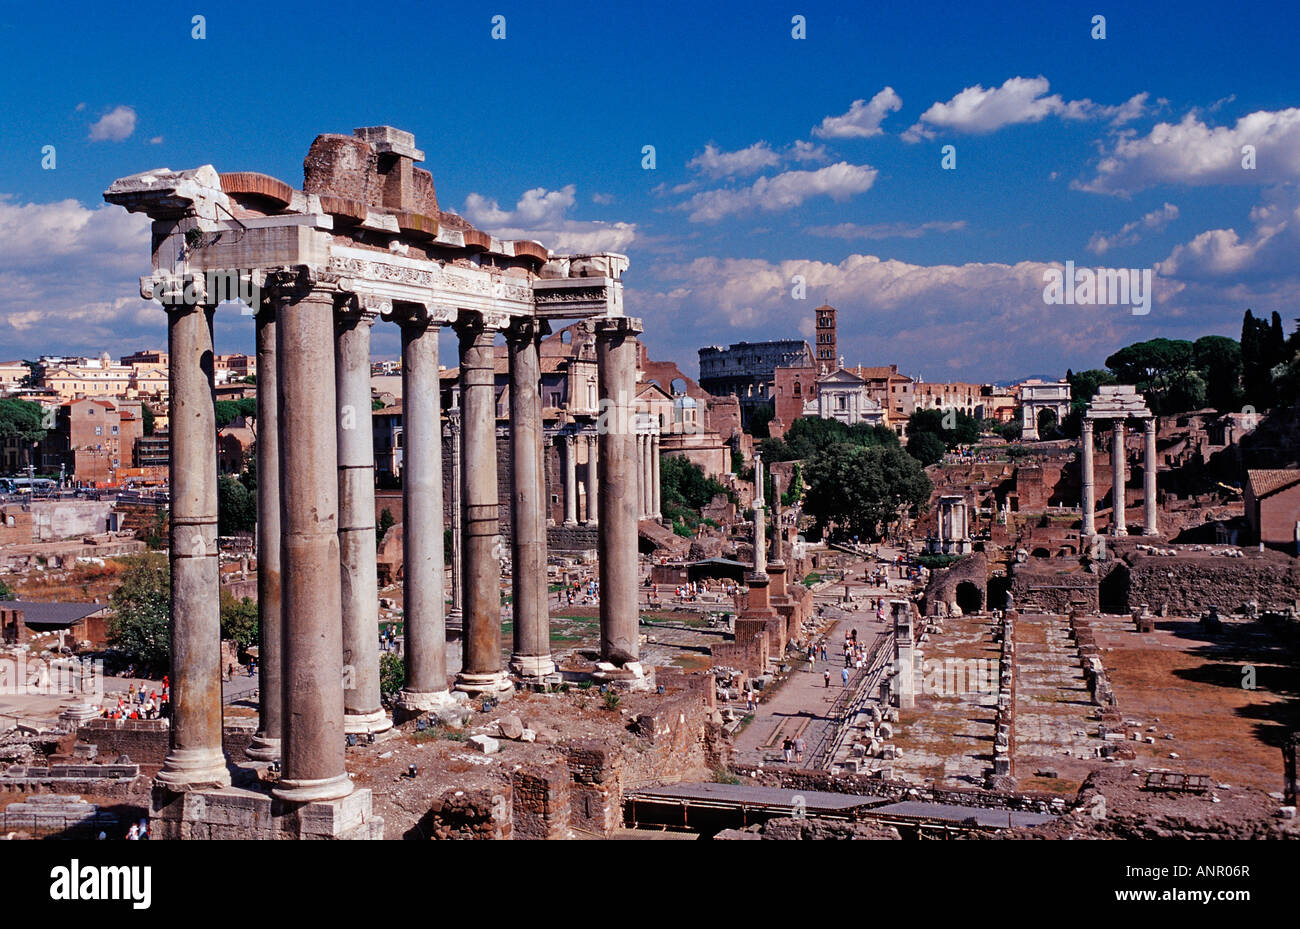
<point>1122,152</point>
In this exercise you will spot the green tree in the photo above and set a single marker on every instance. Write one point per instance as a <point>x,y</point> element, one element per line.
<point>684,483</point>
<point>386,522</point>
<point>952,426</point>
<point>239,620</point>
<point>926,447</point>
<point>148,418</point>
<point>6,592</point>
<point>392,673</point>
<point>236,507</point>
<point>1219,360</point>
<point>140,625</point>
<point>1164,371</point>
<point>861,490</point>
<point>21,421</point>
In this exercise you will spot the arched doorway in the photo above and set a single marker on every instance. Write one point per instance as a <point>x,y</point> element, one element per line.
<point>969,598</point>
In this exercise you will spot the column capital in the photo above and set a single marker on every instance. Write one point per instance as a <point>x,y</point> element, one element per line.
<point>470,323</point>
<point>421,315</point>
<point>612,327</point>
<point>521,330</point>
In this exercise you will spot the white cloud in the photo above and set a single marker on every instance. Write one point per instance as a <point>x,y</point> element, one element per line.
<point>540,214</point>
<point>1193,153</point>
<point>1130,233</point>
<point>782,192</point>
<point>1268,250</point>
<point>156,140</point>
<point>885,230</point>
<point>114,126</point>
<point>805,152</point>
<point>716,163</point>
<point>978,110</point>
<point>70,280</point>
<point>863,118</point>
<point>895,311</point>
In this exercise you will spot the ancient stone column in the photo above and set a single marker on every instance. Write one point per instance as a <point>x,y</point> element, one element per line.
<point>593,511</point>
<point>656,509</point>
<point>422,540</point>
<point>532,628</point>
<point>363,710</point>
<point>1117,458</point>
<point>195,759</point>
<point>311,754</point>
<point>1089,501</point>
<point>616,348</point>
<point>265,746</point>
<point>482,671</point>
<point>760,521</point>
<point>457,615</point>
<point>570,482</point>
<point>1151,522</point>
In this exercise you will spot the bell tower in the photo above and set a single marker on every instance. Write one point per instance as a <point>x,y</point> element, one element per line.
<point>826,349</point>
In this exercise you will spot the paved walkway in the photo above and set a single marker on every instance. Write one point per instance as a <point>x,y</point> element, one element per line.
<point>802,703</point>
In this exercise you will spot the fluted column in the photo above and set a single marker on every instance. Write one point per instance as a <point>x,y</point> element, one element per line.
<point>265,746</point>
<point>363,709</point>
<point>616,348</point>
<point>1117,459</point>
<point>531,657</point>
<point>312,766</point>
<point>195,759</point>
<point>1151,522</point>
<point>482,671</point>
<point>1089,501</point>
<point>570,481</point>
<point>425,640</point>
<point>593,510</point>
<point>656,508</point>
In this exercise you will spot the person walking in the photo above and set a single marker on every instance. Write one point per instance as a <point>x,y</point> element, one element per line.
<point>828,677</point>
<point>787,749</point>
<point>798,748</point>
<point>844,676</point>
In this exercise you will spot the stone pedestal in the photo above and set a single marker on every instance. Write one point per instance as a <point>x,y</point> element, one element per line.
<point>244,813</point>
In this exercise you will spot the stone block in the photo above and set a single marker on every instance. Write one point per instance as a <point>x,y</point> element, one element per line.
<point>485,744</point>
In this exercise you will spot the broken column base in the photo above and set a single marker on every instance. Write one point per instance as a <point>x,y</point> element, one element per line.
<point>246,813</point>
<point>363,723</point>
<point>262,748</point>
<point>411,704</point>
<point>76,714</point>
<point>495,684</point>
<point>631,677</point>
<point>532,667</point>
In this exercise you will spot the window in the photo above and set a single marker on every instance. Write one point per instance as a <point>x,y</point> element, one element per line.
<point>114,430</point>
<point>99,430</point>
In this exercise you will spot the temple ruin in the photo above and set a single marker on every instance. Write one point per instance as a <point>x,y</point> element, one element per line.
<point>364,241</point>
